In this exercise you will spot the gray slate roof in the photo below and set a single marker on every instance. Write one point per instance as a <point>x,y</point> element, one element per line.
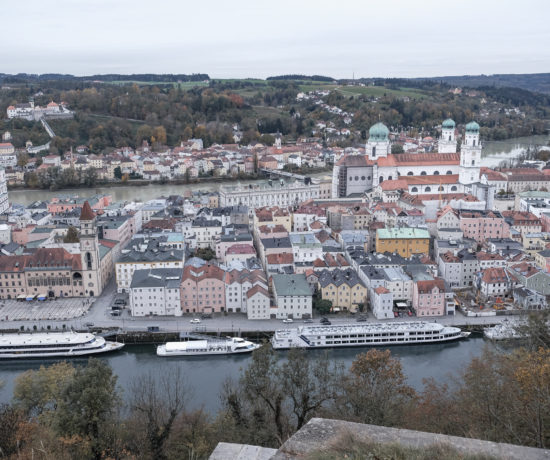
<point>291,285</point>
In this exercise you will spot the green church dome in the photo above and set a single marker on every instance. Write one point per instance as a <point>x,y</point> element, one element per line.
<point>379,132</point>
<point>472,127</point>
<point>448,123</point>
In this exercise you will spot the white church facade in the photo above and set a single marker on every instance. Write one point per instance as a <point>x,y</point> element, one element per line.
<point>446,171</point>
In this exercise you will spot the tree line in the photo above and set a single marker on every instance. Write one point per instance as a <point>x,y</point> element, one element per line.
<point>65,411</point>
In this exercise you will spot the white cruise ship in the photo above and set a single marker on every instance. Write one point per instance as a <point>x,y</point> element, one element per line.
<point>53,345</point>
<point>374,334</point>
<point>231,345</point>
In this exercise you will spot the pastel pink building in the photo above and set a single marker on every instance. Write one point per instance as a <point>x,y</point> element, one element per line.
<point>239,252</point>
<point>429,298</point>
<point>59,205</point>
<point>203,289</point>
<point>21,235</point>
<point>482,225</point>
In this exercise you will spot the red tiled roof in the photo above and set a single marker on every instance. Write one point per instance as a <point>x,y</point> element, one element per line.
<point>256,289</point>
<point>420,159</point>
<point>427,286</point>
<point>494,275</point>
<point>87,213</point>
<point>282,258</point>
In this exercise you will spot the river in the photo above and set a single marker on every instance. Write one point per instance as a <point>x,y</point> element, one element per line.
<point>205,376</point>
<point>493,153</point>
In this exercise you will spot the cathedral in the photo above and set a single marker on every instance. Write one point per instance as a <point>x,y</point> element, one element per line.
<point>444,172</point>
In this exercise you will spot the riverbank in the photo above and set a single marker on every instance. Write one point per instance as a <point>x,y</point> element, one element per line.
<point>168,182</point>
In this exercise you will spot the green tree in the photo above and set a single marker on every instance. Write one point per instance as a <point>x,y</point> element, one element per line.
<point>397,148</point>
<point>323,306</point>
<point>88,406</point>
<point>118,173</point>
<point>205,253</point>
<point>38,392</point>
<point>90,177</point>
<point>71,236</point>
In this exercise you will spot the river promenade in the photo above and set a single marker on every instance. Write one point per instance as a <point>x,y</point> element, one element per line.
<point>99,315</point>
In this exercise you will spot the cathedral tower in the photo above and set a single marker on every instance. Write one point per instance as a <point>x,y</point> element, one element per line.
<point>447,142</point>
<point>378,145</point>
<point>470,155</point>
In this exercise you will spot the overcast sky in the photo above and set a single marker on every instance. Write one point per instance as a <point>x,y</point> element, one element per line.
<point>249,38</point>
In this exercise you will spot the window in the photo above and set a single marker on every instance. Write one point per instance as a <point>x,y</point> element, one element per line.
<point>428,189</point>
<point>423,173</point>
<point>414,189</point>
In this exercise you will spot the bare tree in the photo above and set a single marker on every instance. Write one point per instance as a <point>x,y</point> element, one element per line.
<point>156,401</point>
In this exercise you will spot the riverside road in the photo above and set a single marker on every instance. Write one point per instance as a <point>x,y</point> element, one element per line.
<point>99,316</point>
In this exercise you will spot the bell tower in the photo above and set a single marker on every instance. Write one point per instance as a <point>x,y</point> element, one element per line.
<point>89,252</point>
<point>470,155</point>
<point>447,142</point>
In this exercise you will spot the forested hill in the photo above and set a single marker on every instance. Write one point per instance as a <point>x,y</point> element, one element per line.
<point>538,82</point>
<point>142,77</point>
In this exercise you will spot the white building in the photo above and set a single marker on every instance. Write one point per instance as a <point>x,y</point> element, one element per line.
<point>277,194</point>
<point>156,293</point>
<point>292,296</point>
<point>132,260</point>
<point>381,300</point>
<point>7,155</point>
<point>4,202</point>
<point>237,285</point>
<point>305,247</point>
<point>258,303</point>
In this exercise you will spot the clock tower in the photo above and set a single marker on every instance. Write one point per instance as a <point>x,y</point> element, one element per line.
<point>89,252</point>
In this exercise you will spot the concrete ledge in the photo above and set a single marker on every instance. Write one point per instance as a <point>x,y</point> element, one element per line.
<point>227,451</point>
<point>321,433</point>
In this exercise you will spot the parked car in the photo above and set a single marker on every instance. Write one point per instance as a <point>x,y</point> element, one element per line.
<point>206,316</point>
<point>326,323</point>
<point>361,319</point>
<point>308,320</point>
<point>288,320</point>
<point>116,313</point>
<point>120,302</point>
<point>89,324</point>
<point>153,329</point>
<point>324,320</point>
<point>116,307</point>
<point>195,321</point>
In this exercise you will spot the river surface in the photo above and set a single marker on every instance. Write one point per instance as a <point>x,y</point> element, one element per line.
<point>496,151</point>
<point>205,376</point>
<point>493,153</point>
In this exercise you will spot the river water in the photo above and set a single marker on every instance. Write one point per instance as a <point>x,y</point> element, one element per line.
<point>205,376</point>
<point>493,153</point>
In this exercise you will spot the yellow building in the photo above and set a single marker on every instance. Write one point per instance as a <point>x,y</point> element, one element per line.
<point>343,288</point>
<point>404,241</point>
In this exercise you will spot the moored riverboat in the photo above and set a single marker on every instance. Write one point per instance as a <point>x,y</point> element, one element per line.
<point>53,345</point>
<point>229,346</point>
<point>373,334</point>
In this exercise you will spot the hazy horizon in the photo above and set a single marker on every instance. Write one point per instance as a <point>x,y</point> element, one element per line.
<point>247,39</point>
